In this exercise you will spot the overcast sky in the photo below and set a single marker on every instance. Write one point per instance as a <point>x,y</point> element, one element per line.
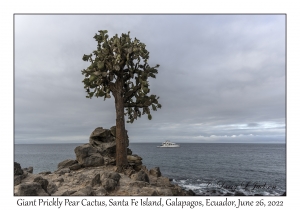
<point>221,78</point>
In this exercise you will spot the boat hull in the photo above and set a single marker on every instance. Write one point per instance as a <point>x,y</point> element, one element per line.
<point>168,146</point>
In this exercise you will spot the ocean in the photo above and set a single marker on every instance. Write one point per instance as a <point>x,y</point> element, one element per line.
<point>207,169</point>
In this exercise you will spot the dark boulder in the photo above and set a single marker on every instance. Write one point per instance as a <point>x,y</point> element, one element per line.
<point>109,180</point>
<point>19,173</point>
<point>17,169</point>
<point>105,141</point>
<point>109,184</point>
<point>30,189</point>
<point>52,188</point>
<point>141,176</point>
<point>88,156</point>
<point>43,182</point>
<point>17,179</point>
<point>84,151</point>
<point>95,180</point>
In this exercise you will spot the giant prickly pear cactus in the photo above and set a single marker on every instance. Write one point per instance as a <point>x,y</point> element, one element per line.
<point>120,67</point>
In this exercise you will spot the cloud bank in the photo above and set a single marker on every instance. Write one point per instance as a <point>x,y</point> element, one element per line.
<point>221,78</point>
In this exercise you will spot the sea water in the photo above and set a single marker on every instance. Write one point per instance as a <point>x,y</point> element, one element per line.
<point>219,169</point>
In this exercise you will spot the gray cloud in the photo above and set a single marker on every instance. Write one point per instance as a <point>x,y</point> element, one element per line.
<point>221,79</point>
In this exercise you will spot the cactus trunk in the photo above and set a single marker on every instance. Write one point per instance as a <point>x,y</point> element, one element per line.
<point>121,146</point>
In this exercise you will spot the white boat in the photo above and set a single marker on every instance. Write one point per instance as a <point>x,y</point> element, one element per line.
<point>168,144</point>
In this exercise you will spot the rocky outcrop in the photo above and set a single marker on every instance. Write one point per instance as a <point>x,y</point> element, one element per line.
<point>101,150</point>
<point>19,173</point>
<point>94,173</point>
<point>98,181</point>
<point>105,141</point>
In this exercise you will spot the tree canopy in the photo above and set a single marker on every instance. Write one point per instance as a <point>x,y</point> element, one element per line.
<point>121,58</point>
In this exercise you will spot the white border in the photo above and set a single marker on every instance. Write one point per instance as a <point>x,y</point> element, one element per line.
<point>233,6</point>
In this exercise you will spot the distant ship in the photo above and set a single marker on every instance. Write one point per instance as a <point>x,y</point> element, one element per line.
<point>168,144</point>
